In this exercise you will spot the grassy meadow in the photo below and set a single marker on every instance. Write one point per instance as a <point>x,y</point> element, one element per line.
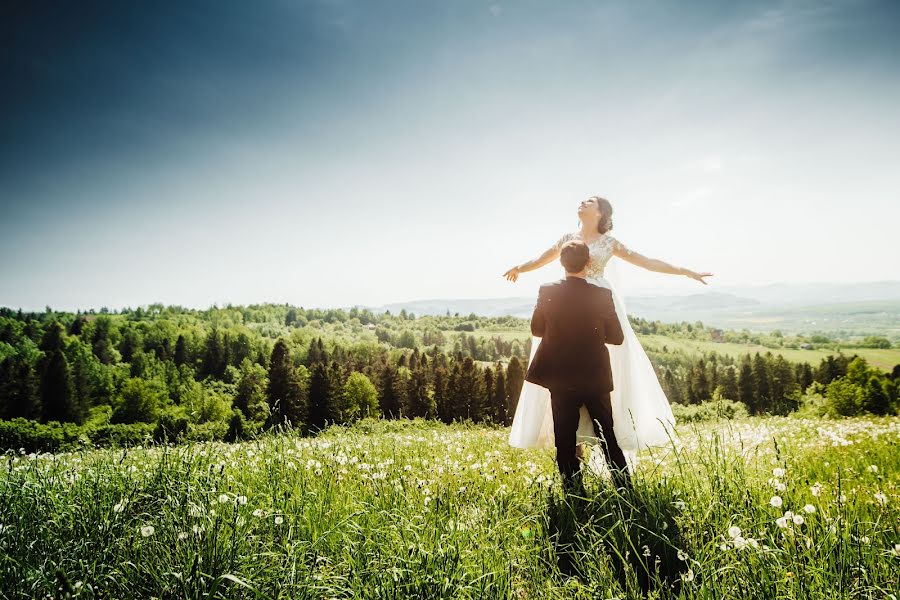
<point>884,359</point>
<point>759,508</point>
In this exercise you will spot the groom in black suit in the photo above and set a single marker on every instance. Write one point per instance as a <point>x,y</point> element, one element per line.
<point>575,320</point>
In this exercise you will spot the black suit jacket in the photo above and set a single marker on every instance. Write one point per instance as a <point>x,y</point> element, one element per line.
<point>575,320</point>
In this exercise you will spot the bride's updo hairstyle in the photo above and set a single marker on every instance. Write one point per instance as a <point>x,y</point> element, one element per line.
<point>606,211</point>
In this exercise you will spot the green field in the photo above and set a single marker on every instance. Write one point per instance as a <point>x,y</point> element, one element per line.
<point>881,359</point>
<point>762,508</point>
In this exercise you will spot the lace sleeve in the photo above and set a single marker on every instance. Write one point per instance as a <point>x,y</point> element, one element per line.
<point>563,240</point>
<point>619,248</point>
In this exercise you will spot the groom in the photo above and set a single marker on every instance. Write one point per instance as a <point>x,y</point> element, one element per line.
<point>575,320</point>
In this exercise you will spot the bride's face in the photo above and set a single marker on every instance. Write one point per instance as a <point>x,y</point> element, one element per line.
<point>589,209</point>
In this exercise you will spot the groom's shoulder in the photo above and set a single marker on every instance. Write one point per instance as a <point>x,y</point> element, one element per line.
<point>551,286</point>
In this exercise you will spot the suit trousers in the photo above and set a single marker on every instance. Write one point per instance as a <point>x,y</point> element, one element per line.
<point>566,405</point>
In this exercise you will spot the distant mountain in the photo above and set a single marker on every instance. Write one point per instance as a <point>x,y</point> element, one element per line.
<point>862,307</point>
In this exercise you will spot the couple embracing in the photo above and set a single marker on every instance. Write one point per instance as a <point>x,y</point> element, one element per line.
<point>589,379</point>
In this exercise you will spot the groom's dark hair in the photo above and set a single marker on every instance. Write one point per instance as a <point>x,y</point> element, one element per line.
<point>574,256</point>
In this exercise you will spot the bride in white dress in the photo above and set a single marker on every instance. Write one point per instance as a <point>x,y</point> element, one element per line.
<point>642,417</point>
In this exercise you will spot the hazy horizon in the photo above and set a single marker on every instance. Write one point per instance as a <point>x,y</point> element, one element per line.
<point>338,153</point>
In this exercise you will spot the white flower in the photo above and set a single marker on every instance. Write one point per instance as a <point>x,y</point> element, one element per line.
<point>119,507</point>
<point>147,530</point>
<point>197,529</point>
<point>646,551</point>
<point>689,576</point>
<point>258,512</point>
<point>778,472</point>
<point>782,522</point>
<point>816,489</point>
<point>680,505</point>
<point>776,501</point>
<point>780,486</point>
<point>809,509</point>
<point>872,469</point>
<point>182,535</point>
<point>798,519</point>
<point>279,520</point>
<point>223,498</point>
<point>740,542</point>
<point>734,532</point>
<point>882,499</point>
<point>896,549</point>
<point>242,500</point>
<point>683,557</point>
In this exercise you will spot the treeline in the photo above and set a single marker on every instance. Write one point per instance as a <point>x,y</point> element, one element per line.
<point>769,384</point>
<point>128,377</point>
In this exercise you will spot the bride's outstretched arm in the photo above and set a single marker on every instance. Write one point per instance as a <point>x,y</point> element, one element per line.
<point>546,258</point>
<point>656,265</point>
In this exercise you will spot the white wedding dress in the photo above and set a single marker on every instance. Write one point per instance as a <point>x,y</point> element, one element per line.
<point>642,417</point>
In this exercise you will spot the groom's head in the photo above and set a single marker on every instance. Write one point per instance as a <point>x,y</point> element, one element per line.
<point>574,256</point>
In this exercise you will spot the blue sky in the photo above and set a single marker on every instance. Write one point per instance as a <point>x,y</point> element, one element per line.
<point>343,152</point>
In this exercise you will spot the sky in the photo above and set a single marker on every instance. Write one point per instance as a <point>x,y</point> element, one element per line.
<point>346,152</point>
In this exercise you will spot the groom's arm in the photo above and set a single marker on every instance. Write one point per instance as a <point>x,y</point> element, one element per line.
<point>538,324</point>
<point>612,326</point>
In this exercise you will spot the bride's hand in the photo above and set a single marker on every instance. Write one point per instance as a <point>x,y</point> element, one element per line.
<point>698,276</point>
<point>512,274</point>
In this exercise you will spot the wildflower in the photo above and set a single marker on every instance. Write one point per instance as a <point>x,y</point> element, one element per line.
<point>896,550</point>
<point>689,576</point>
<point>197,529</point>
<point>872,469</point>
<point>223,498</point>
<point>683,557</point>
<point>242,500</point>
<point>147,530</point>
<point>119,507</point>
<point>279,520</point>
<point>680,505</point>
<point>734,532</point>
<point>182,535</point>
<point>782,522</point>
<point>776,501</point>
<point>646,551</point>
<point>816,489</point>
<point>780,486</point>
<point>778,472</point>
<point>798,519</point>
<point>809,509</point>
<point>882,499</point>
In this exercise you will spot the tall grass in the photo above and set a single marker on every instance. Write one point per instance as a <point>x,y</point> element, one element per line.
<point>423,510</point>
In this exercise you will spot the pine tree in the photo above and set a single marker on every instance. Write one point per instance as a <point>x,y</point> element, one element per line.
<point>57,398</point>
<point>101,342</point>
<point>319,388</point>
<point>387,396</point>
<point>730,384</point>
<point>761,389</point>
<point>442,395</point>
<point>181,351</point>
<point>746,391</point>
<point>285,393</point>
<point>499,398</point>
<point>515,378</point>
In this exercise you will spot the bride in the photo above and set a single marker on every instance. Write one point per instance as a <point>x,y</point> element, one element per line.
<point>642,417</point>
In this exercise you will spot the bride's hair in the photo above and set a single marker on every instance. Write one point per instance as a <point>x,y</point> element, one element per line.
<point>606,212</point>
